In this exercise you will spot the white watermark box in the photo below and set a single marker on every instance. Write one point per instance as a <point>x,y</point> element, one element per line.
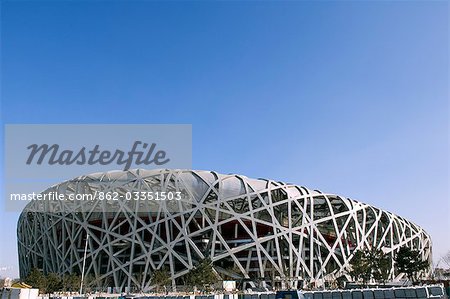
<point>39,156</point>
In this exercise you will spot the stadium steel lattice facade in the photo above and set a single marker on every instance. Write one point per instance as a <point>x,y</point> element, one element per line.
<point>257,229</point>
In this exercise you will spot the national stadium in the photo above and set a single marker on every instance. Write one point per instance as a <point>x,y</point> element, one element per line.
<point>255,230</point>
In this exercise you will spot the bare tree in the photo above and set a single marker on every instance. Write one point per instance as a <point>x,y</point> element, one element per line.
<point>446,259</point>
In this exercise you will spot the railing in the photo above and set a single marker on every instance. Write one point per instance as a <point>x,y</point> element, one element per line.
<point>419,292</point>
<point>422,292</point>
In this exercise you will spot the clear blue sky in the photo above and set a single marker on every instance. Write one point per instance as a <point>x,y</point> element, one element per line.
<point>346,97</point>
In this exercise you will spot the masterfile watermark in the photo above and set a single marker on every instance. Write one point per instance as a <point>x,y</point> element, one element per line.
<point>51,154</point>
<point>39,156</point>
<point>101,196</point>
